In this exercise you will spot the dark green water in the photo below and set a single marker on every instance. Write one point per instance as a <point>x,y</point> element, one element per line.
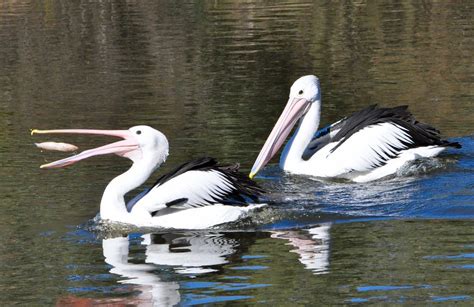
<point>214,76</point>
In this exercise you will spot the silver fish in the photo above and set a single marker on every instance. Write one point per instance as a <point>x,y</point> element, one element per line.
<point>57,146</point>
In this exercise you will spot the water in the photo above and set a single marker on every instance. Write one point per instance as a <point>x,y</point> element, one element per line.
<point>214,76</point>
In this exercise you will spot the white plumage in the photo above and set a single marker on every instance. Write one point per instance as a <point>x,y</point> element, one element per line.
<point>368,145</point>
<point>199,187</point>
<point>198,194</point>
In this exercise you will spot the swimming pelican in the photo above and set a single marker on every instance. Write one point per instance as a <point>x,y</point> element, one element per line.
<point>198,194</point>
<point>367,145</point>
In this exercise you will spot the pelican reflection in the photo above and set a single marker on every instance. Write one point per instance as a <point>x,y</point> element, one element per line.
<point>312,246</point>
<point>185,253</point>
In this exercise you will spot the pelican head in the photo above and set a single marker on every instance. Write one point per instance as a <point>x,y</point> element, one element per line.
<point>303,93</point>
<point>306,87</point>
<point>139,143</point>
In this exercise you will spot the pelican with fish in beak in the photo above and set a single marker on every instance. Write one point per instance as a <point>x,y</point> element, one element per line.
<point>197,194</point>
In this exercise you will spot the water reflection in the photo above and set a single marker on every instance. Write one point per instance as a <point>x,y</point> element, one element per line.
<point>185,253</point>
<point>378,261</point>
<point>150,286</point>
<point>189,253</point>
<point>211,75</point>
<point>312,246</point>
<point>195,255</point>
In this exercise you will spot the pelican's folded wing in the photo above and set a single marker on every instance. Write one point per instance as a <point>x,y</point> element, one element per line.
<point>371,137</point>
<point>321,138</point>
<point>199,183</point>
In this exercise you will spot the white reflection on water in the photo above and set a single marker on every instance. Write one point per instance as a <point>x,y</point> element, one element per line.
<point>190,253</point>
<point>312,246</point>
<point>151,287</point>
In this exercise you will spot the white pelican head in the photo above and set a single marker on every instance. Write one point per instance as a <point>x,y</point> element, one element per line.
<point>139,143</point>
<point>304,92</point>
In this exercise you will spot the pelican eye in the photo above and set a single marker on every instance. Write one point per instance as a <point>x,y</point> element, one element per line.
<point>300,92</point>
<point>139,132</point>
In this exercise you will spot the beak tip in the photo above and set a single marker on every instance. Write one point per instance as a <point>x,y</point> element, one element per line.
<point>251,175</point>
<point>33,131</point>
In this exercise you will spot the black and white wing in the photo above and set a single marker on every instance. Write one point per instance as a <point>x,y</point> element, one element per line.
<point>373,136</point>
<point>322,137</point>
<point>198,183</point>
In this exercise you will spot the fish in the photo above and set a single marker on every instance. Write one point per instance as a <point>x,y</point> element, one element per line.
<point>57,146</point>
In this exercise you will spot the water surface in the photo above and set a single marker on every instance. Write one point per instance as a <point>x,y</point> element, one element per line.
<point>214,76</point>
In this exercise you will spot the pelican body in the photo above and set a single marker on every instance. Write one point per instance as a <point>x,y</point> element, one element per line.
<point>367,145</point>
<point>198,194</point>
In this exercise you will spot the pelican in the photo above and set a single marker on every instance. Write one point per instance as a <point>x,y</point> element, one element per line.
<point>196,195</point>
<point>367,145</point>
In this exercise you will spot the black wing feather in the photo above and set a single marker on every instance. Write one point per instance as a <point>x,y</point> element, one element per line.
<point>244,190</point>
<point>176,202</point>
<point>421,134</point>
<point>198,164</point>
<point>321,138</point>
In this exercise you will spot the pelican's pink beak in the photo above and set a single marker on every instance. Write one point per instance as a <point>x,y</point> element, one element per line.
<point>295,108</point>
<point>128,147</point>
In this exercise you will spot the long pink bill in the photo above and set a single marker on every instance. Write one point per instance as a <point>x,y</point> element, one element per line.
<point>295,108</point>
<point>122,148</point>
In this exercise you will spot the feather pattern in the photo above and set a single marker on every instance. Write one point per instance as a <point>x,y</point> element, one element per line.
<point>198,183</point>
<point>390,131</point>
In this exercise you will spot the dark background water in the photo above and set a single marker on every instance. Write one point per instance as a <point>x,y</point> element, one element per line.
<point>214,76</point>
